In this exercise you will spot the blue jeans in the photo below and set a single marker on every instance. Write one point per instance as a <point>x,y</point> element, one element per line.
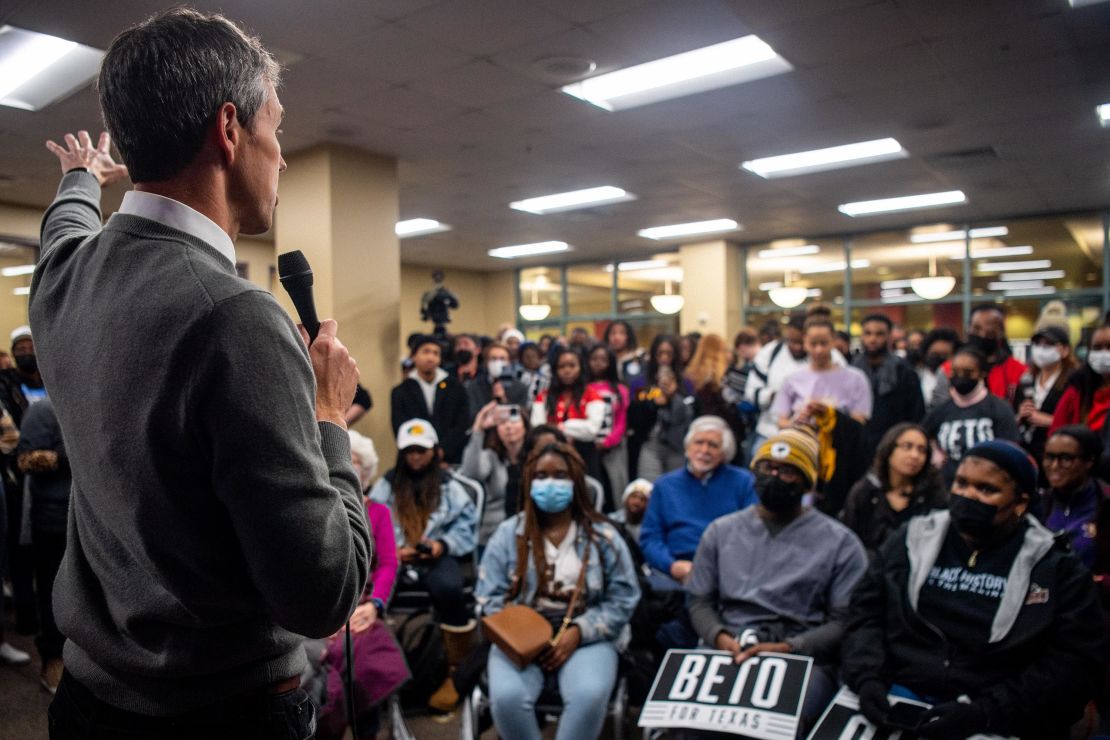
<point>585,684</point>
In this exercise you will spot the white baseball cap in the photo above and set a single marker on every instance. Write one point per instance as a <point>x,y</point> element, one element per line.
<point>21,332</point>
<point>417,433</point>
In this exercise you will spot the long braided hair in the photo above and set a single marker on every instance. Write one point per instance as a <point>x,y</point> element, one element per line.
<point>582,511</point>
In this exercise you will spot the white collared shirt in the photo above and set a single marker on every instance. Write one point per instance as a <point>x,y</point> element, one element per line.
<point>177,215</point>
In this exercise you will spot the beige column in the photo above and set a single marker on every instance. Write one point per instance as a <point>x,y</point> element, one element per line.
<point>711,287</point>
<point>338,205</point>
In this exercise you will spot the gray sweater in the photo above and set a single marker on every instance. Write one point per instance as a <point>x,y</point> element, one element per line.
<point>799,578</point>
<point>213,521</point>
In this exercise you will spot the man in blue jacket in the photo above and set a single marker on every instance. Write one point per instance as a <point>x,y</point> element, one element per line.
<point>684,502</point>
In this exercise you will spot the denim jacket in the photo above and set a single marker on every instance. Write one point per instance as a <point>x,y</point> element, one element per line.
<point>612,590</point>
<point>454,522</point>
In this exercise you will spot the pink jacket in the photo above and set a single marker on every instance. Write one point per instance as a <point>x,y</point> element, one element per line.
<point>383,572</point>
<point>616,421</point>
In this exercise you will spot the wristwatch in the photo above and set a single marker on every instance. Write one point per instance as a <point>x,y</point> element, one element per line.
<point>378,604</point>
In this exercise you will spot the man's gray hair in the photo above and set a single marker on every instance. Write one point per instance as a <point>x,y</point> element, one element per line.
<point>713,424</point>
<point>163,80</point>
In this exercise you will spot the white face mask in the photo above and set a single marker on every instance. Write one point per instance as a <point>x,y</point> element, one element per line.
<point>494,368</point>
<point>1099,360</point>
<point>1043,355</point>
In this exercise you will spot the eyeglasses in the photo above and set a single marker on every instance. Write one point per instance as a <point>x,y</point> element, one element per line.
<point>785,473</point>
<point>911,447</point>
<point>1052,458</point>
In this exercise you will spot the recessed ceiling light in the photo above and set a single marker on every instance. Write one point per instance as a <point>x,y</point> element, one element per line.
<point>37,69</point>
<point>1103,114</point>
<point>638,265</point>
<point>769,254</point>
<point>835,267</point>
<point>951,236</point>
<point>902,203</point>
<point>1045,275</point>
<point>834,157</point>
<point>1023,265</point>
<point>574,199</point>
<point>527,250</point>
<point>985,252</point>
<point>720,65</point>
<point>1016,285</point>
<point>419,227</point>
<point>689,229</point>
<point>17,270</point>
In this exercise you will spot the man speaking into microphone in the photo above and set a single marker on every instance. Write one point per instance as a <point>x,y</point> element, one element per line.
<point>215,515</point>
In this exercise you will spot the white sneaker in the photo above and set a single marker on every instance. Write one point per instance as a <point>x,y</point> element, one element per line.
<point>12,655</point>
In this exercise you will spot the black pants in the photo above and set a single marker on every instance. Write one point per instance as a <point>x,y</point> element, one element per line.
<point>48,551</point>
<point>20,564</point>
<point>444,583</point>
<point>76,714</point>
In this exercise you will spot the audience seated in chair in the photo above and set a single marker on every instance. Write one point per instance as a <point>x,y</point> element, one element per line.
<point>434,522</point>
<point>535,558</point>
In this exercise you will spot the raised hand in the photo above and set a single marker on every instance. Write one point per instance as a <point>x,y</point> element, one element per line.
<point>80,152</point>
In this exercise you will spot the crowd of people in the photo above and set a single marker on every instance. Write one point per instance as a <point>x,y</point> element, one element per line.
<point>920,516</point>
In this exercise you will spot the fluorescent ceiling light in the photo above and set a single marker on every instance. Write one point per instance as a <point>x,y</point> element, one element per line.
<point>1030,291</point>
<point>819,160</point>
<point>903,203</point>
<point>892,284</point>
<point>1001,252</point>
<point>419,227</point>
<point>893,292</point>
<point>26,290</point>
<point>1103,114</point>
<point>813,293</point>
<point>1016,285</point>
<point>638,265</point>
<point>18,270</point>
<point>904,298</point>
<point>768,254</point>
<point>1045,275</point>
<point>770,286</point>
<point>573,199</point>
<point>835,267</point>
<point>951,236</point>
<point>1004,266</point>
<point>690,229</point>
<point>37,69</point>
<point>527,250</point>
<point>720,65</point>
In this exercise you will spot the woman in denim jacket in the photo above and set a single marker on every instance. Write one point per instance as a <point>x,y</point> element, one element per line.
<point>434,523</point>
<point>535,558</point>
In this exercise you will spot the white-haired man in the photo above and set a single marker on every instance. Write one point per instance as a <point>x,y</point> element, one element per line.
<point>684,502</point>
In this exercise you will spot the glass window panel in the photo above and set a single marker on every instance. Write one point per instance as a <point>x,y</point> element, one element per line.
<point>649,327</point>
<point>638,281</point>
<point>817,265</point>
<point>887,262</point>
<point>1041,257</point>
<point>589,289</point>
<point>539,286</point>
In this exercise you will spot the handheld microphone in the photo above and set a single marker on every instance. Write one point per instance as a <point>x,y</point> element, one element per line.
<point>296,278</point>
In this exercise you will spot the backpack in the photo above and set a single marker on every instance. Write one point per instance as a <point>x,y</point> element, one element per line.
<point>420,639</point>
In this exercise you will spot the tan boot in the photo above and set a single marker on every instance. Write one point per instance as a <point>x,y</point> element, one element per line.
<point>457,643</point>
<point>51,674</point>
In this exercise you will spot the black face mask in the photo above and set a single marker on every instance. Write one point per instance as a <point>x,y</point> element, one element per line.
<point>933,361</point>
<point>27,364</point>
<point>876,352</point>
<point>463,357</point>
<point>964,386</point>
<point>986,345</point>
<point>776,495</point>
<point>913,356</point>
<point>972,517</point>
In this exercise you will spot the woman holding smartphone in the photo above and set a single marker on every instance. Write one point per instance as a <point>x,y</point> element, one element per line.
<point>494,458</point>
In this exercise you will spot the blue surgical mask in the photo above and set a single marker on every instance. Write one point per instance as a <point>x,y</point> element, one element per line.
<point>552,494</point>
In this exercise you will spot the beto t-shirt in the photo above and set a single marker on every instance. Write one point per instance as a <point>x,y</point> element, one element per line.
<point>956,430</point>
